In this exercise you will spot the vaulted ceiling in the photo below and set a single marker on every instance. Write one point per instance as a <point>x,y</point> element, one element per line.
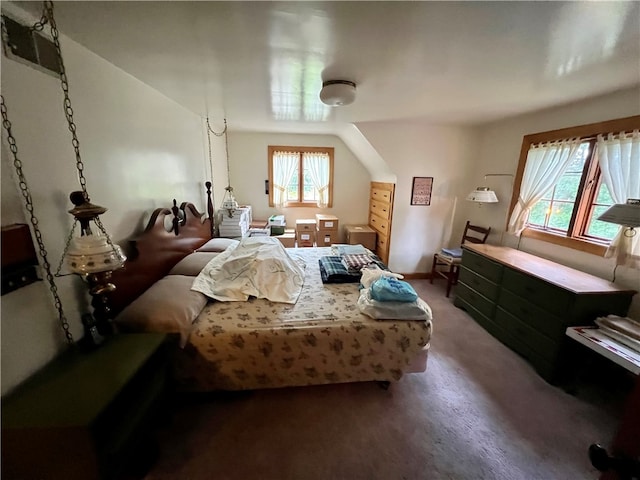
<point>261,64</point>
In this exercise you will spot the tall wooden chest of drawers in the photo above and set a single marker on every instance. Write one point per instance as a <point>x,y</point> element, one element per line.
<point>380,215</point>
<point>527,302</point>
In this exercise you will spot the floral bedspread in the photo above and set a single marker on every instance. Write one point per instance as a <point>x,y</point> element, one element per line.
<point>322,338</point>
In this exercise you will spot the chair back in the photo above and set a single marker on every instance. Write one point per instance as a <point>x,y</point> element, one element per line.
<point>474,234</point>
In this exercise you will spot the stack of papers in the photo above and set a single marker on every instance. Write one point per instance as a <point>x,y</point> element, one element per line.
<point>236,224</point>
<point>623,329</point>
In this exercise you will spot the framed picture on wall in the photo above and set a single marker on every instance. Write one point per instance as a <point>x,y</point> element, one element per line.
<point>421,190</point>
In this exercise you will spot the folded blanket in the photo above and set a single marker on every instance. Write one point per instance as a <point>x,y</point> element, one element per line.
<point>355,262</point>
<point>332,270</point>
<point>418,310</point>
<point>346,249</point>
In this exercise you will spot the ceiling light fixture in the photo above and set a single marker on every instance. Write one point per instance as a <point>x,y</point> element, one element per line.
<point>337,93</point>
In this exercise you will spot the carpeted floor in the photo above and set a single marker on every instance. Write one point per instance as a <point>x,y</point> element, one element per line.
<point>478,412</point>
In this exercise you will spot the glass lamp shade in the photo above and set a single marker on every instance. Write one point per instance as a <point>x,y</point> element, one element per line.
<point>93,254</point>
<point>482,195</point>
<point>627,214</point>
<point>336,93</point>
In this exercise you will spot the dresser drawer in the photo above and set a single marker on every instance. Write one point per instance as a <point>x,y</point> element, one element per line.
<point>382,209</point>
<point>545,367</point>
<point>381,243</point>
<point>542,345</point>
<point>480,302</point>
<point>484,321</point>
<point>380,224</point>
<point>478,283</point>
<point>381,195</point>
<point>550,297</point>
<point>482,265</point>
<point>531,314</point>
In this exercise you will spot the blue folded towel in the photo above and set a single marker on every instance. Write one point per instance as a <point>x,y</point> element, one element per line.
<point>390,289</point>
<point>452,252</point>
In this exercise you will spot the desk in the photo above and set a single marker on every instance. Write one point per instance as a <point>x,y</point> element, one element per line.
<point>606,346</point>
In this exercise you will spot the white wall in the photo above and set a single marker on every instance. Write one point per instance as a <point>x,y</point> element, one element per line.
<point>419,149</point>
<point>249,169</point>
<point>499,152</point>
<point>140,151</point>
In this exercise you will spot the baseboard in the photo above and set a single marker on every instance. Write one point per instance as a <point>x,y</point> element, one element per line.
<point>417,276</point>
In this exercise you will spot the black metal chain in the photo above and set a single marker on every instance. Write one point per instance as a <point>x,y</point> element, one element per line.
<point>68,111</point>
<point>28,201</point>
<point>39,25</point>
<point>226,148</point>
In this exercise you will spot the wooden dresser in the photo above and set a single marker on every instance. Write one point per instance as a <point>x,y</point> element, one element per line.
<point>85,416</point>
<point>380,215</point>
<point>527,302</point>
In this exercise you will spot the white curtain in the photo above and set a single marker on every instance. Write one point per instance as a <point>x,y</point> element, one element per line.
<point>545,165</point>
<point>284,166</point>
<point>318,165</point>
<point>619,159</point>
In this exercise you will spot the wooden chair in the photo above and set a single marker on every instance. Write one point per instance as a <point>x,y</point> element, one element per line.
<point>471,234</point>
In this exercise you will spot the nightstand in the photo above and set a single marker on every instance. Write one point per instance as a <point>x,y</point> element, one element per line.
<point>84,415</point>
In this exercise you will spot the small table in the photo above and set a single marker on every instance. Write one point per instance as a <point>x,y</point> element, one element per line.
<point>597,341</point>
<point>86,415</point>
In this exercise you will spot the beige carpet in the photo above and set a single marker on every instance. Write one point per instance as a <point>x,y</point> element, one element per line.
<point>478,412</point>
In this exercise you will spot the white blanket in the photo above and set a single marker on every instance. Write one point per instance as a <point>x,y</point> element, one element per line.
<point>258,267</point>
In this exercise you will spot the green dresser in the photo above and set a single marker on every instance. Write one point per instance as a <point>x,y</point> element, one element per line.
<point>527,302</point>
<point>85,415</point>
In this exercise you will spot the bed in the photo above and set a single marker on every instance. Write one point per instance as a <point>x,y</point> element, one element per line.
<point>321,338</point>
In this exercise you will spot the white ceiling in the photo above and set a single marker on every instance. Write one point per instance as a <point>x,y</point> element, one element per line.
<point>261,64</point>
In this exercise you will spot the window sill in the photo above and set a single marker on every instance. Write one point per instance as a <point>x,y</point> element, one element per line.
<point>574,243</point>
<point>303,204</point>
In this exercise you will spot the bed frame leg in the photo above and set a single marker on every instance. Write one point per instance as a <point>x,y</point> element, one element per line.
<point>384,384</point>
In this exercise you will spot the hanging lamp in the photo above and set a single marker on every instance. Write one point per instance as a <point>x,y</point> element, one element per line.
<point>229,203</point>
<point>92,255</point>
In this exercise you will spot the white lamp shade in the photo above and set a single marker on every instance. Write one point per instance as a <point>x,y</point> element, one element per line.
<point>627,214</point>
<point>93,254</point>
<point>482,195</point>
<point>337,93</point>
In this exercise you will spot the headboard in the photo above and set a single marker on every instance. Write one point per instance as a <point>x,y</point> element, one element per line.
<point>152,254</point>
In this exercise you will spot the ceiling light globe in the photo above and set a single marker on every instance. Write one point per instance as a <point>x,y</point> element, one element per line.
<point>337,93</point>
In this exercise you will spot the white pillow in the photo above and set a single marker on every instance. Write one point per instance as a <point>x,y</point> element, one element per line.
<point>217,245</point>
<point>168,306</point>
<point>193,263</point>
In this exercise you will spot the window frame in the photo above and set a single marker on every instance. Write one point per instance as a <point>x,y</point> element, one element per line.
<point>297,149</point>
<point>578,219</point>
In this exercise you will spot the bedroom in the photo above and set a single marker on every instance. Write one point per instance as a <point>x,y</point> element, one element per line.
<point>143,148</point>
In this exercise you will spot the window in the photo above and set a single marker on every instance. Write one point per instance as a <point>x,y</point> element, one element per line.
<point>566,212</point>
<point>300,176</point>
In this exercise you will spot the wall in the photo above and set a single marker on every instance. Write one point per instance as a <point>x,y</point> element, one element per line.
<point>140,151</point>
<point>249,169</point>
<point>419,149</point>
<point>499,152</point>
